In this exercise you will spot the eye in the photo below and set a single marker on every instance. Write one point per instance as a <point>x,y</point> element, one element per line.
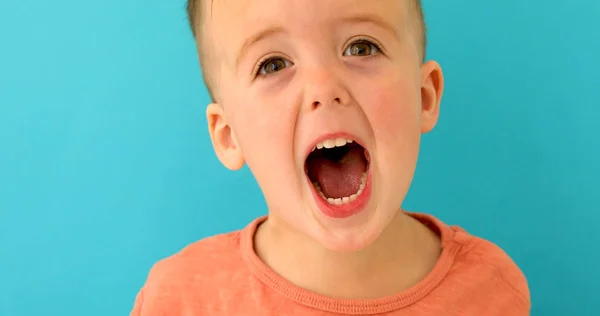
<point>361,48</point>
<point>272,65</point>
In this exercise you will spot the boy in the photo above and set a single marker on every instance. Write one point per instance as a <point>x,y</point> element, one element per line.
<point>326,100</point>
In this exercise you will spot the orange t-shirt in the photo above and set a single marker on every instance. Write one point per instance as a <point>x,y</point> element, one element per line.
<point>222,275</point>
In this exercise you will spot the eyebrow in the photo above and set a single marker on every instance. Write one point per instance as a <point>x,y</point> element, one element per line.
<point>257,37</point>
<point>370,18</point>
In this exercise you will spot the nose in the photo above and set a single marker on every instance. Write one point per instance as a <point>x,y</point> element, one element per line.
<point>324,87</point>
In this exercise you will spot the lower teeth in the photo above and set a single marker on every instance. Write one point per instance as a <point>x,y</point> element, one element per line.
<point>344,200</point>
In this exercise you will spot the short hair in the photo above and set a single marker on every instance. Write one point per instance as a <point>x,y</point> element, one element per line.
<point>195,18</point>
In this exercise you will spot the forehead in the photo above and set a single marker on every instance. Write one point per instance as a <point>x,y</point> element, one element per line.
<point>258,9</point>
<point>230,22</point>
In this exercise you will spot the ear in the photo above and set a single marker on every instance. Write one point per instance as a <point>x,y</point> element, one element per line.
<point>223,138</point>
<point>432,88</point>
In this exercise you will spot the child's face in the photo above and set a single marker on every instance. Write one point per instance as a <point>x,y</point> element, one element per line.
<point>334,69</point>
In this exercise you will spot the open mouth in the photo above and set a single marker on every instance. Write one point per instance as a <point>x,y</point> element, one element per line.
<point>338,169</point>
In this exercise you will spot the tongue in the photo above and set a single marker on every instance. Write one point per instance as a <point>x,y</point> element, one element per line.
<point>340,178</point>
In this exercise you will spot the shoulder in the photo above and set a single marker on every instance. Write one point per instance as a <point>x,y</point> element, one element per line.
<point>482,257</point>
<point>478,263</point>
<point>211,256</point>
<point>187,278</point>
<point>199,265</point>
<point>206,275</point>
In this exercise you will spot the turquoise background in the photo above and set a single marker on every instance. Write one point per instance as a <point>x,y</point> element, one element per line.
<point>106,165</point>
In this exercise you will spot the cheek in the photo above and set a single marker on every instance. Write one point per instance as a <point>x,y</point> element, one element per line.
<point>397,120</point>
<point>393,112</point>
<point>261,134</point>
<point>264,132</point>
<point>255,123</point>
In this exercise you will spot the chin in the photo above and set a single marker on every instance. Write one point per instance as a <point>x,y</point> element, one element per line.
<point>351,234</point>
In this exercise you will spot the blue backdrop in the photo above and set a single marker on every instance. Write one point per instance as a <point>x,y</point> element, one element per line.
<point>106,164</point>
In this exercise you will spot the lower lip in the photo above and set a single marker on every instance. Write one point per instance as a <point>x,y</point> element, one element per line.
<point>345,210</point>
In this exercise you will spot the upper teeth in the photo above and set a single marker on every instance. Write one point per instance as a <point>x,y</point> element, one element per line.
<point>330,143</point>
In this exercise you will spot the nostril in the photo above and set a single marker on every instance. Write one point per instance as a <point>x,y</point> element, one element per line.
<point>317,103</point>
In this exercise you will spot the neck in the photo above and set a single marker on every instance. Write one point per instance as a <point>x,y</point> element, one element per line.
<point>399,258</point>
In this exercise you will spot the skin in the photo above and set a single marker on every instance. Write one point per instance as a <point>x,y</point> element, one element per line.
<point>384,96</point>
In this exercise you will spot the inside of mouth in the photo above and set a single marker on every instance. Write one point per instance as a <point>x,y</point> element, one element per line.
<point>338,171</point>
